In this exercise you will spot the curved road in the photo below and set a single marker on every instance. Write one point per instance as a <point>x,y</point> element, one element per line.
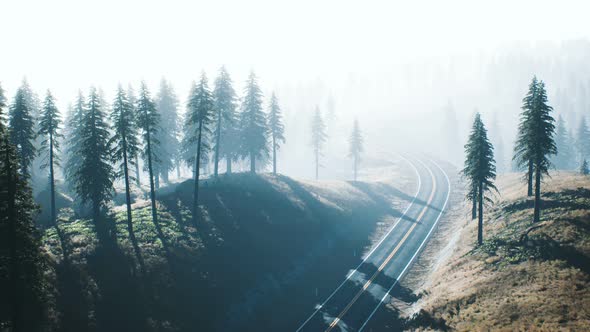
<point>358,298</point>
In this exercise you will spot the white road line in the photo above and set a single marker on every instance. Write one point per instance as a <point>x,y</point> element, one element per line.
<point>349,275</point>
<point>419,248</point>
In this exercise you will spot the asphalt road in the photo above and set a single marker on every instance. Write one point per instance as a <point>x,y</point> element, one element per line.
<point>354,303</point>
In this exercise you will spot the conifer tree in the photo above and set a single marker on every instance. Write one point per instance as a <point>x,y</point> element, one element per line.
<point>224,98</point>
<point>93,173</point>
<point>480,168</point>
<point>253,123</point>
<point>356,147</point>
<point>133,102</point>
<point>200,111</point>
<point>318,138</point>
<point>584,170</point>
<point>49,126</point>
<point>536,138</point>
<point>583,140</point>
<point>169,148</point>
<point>564,159</point>
<point>22,130</point>
<point>73,137</point>
<point>148,121</point>
<point>276,128</point>
<point>125,148</point>
<point>522,155</point>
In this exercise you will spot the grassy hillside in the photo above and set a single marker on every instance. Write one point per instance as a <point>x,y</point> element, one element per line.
<point>258,236</point>
<point>538,280</point>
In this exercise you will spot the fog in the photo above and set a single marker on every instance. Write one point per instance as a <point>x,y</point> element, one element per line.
<point>398,67</point>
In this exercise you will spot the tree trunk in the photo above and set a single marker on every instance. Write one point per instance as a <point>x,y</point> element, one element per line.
<point>58,231</point>
<point>537,211</point>
<point>317,164</point>
<point>274,155</point>
<point>252,162</point>
<point>137,181</point>
<point>480,217</point>
<point>530,179</point>
<point>217,140</point>
<point>157,180</point>
<point>129,216</point>
<point>151,175</point>
<point>197,171</point>
<point>16,313</point>
<point>228,166</point>
<point>474,207</point>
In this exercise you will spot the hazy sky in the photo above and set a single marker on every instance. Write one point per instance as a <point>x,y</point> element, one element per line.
<point>66,45</point>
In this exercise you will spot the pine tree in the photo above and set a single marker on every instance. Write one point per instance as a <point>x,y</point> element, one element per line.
<point>73,139</point>
<point>522,155</point>
<point>200,111</point>
<point>168,150</point>
<point>22,282</point>
<point>356,141</point>
<point>564,159</point>
<point>22,130</point>
<point>253,124</point>
<point>148,121</point>
<point>226,140</point>
<point>584,170</point>
<point>583,140</point>
<point>133,103</point>
<point>535,141</point>
<point>276,128</point>
<point>93,173</point>
<point>480,168</point>
<point>318,138</point>
<point>125,148</point>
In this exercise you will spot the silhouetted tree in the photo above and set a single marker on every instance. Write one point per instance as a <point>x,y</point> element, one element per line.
<point>535,139</point>
<point>318,138</point>
<point>168,151</point>
<point>200,111</point>
<point>73,135</point>
<point>226,133</point>
<point>356,146</point>
<point>584,170</point>
<point>93,173</point>
<point>480,168</point>
<point>148,120</point>
<point>253,128</point>
<point>522,151</point>
<point>124,149</point>
<point>22,130</point>
<point>564,159</point>
<point>276,128</point>
<point>583,140</point>
<point>133,102</point>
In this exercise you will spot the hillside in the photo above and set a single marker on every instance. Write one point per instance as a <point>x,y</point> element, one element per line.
<point>222,274</point>
<point>513,282</point>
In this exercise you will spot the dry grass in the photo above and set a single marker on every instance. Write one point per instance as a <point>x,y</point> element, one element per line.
<point>541,284</point>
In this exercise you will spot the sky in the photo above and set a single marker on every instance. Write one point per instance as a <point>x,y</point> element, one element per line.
<point>68,45</point>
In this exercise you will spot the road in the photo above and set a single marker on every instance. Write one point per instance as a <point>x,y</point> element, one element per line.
<point>354,303</point>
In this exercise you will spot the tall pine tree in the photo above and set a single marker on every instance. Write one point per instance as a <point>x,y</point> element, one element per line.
<point>148,121</point>
<point>536,138</point>
<point>133,102</point>
<point>318,138</point>
<point>356,147</point>
<point>169,148</point>
<point>22,130</point>
<point>276,128</point>
<point>583,141</point>
<point>125,148</point>
<point>93,173</point>
<point>253,123</point>
<point>200,111</point>
<point>522,155</point>
<point>480,168</point>
<point>226,140</point>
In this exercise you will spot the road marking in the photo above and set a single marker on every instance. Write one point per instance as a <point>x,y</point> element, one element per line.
<point>386,261</point>
<point>349,275</point>
<point>417,251</point>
